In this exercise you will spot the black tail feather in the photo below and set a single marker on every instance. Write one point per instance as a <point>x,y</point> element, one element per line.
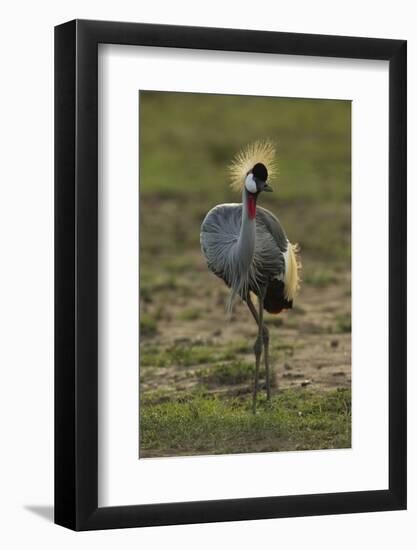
<point>275,300</point>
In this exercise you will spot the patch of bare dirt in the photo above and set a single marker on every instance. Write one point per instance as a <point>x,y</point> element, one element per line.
<point>309,346</point>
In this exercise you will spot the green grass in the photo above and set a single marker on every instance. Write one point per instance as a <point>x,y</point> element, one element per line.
<point>199,424</point>
<point>320,278</point>
<point>151,356</point>
<point>153,284</point>
<point>184,355</point>
<point>343,323</point>
<point>148,325</point>
<point>190,314</point>
<point>187,355</point>
<point>235,372</point>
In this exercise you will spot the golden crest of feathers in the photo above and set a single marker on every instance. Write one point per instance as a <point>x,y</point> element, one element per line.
<point>245,160</point>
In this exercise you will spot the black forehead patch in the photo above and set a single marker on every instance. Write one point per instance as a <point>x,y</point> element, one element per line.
<point>259,171</point>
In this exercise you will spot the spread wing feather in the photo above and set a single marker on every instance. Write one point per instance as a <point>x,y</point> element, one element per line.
<point>220,232</point>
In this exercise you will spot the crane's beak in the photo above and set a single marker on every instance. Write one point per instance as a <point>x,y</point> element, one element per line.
<point>267,188</point>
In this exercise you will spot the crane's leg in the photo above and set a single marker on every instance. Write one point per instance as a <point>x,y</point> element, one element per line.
<point>265,339</point>
<point>257,347</point>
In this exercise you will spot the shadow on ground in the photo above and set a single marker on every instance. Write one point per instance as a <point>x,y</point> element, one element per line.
<point>45,512</point>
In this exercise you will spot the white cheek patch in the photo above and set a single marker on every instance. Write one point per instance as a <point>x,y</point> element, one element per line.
<point>250,184</point>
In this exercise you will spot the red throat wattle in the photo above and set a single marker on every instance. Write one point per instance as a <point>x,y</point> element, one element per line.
<point>251,206</point>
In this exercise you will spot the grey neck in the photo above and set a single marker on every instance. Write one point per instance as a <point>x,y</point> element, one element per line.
<point>247,237</point>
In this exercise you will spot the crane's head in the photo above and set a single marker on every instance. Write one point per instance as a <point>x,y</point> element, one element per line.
<point>256,179</point>
<point>254,167</point>
<point>251,171</point>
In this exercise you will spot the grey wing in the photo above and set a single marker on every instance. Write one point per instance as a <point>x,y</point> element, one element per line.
<point>271,244</point>
<point>272,223</point>
<point>219,232</point>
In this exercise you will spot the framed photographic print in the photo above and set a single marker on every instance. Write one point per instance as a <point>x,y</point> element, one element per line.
<point>230,252</point>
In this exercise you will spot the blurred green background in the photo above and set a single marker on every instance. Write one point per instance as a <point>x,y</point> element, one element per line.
<point>186,144</point>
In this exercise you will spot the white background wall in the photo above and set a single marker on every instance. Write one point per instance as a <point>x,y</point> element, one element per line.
<point>26,272</point>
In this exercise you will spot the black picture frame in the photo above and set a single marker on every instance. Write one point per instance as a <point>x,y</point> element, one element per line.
<point>76,272</point>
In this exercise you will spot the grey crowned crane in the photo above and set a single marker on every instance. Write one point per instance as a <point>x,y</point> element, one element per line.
<point>246,246</point>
